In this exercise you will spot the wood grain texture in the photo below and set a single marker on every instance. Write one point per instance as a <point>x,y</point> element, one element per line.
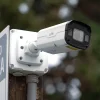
<point>18,88</point>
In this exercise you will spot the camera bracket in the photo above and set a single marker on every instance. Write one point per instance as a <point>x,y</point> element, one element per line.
<point>24,57</point>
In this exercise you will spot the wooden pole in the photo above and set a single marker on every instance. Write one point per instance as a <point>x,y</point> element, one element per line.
<point>18,88</point>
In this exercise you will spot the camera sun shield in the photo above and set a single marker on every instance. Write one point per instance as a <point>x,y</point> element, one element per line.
<point>77,34</point>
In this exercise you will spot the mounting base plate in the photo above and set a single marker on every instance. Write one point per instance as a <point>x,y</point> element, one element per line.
<point>21,62</point>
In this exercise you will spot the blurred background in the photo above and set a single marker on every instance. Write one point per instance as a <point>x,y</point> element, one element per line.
<point>74,75</point>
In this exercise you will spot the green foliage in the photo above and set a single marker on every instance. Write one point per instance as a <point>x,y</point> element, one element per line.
<point>56,96</point>
<point>88,61</point>
<point>9,14</point>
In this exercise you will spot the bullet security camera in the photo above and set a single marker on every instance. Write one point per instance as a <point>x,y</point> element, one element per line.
<point>28,50</point>
<point>65,37</point>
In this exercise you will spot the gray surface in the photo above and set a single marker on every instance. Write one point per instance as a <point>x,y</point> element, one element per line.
<point>32,91</point>
<point>3,53</point>
<point>4,44</point>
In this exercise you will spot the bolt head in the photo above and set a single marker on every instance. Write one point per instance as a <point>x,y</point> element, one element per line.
<point>41,60</point>
<point>20,58</point>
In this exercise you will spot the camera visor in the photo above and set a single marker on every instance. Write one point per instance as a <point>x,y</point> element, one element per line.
<point>77,34</point>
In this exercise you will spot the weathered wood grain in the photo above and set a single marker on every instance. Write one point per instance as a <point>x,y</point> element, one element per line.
<point>18,88</point>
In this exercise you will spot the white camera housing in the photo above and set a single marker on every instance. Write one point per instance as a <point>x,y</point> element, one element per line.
<point>65,37</point>
<point>52,40</point>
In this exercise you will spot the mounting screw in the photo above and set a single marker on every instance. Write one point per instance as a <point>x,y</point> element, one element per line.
<point>29,65</point>
<point>45,70</point>
<point>41,60</point>
<point>20,58</point>
<point>36,49</point>
<point>11,66</point>
<point>22,47</point>
<point>21,37</point>
<point>12,31</point>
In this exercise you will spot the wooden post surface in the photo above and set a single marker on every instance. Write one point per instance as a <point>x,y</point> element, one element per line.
<point>18,88</point>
